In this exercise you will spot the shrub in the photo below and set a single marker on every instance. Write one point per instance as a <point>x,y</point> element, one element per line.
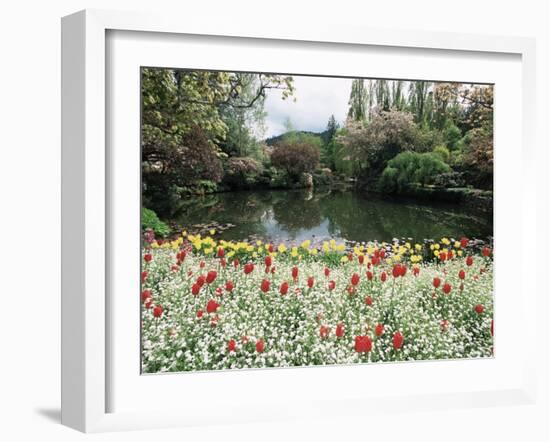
<point>295,158</point>
<point>443,153</point>
<point>449,179</point>
<point>150,220</point>
<point>411,167</point>
<point>241,172</point>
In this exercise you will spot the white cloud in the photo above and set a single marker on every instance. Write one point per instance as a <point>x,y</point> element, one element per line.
<point>316,99</point>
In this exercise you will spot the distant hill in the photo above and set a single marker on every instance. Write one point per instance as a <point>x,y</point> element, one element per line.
<point>271,141</point>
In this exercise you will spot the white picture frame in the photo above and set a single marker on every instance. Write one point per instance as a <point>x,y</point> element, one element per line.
<point>86,234</point>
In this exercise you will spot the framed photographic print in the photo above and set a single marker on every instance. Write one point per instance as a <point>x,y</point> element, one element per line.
<point>266,212</point>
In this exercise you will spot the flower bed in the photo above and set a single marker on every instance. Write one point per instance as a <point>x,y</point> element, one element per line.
<point>209,305</point>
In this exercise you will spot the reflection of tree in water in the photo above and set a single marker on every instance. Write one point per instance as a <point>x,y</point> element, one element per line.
<point>296,210</point>
<point>243,209</point>
<point>347,215</point>
<point>360,218</point>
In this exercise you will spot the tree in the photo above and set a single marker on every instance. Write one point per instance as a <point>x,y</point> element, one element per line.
<point>176,100</point>
<point>411,167</point>
<point>330,144</point>
<point>358,100</point>
<point>295,158</point>
<point>371,146</point>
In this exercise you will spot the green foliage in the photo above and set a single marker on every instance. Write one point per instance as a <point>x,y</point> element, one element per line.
<point>449,180</point>
<point>358,101</point>
<point>295,158</point>
<point>452,135</point>
<point>411,167</point>
<point>150,220</point>
<point>370,146</point>
<point>443,153</point>
<point>242,173</point>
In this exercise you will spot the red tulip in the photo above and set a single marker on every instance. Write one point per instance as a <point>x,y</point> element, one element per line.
<point>331,285</point>
<point>270,248</point>
<point>323,331</point>
<point>265,285</point>
<point>375,260</point>
<point>212,306</point>
<point>436,282</point>
<point>211,276</point>
<point>202,264</point>
<point>221,252</point>
<point>144,275</point>
<point>350,257</point>
<point>273,270</point>
<point>222,262</point>
<point>379,330</point>
<point>148,303</point>
<point>369,275</point>
<point>157,311</point>
<point>469,260</point>
<point>145,294</point>
<point>195,289</point>
<point>295,273</point>
<point>492,324</point>
<point>486,251</point>
<point>396,271</point>
<point>462,274</point>
<point>368,300</point>
<point>340,330</point>
<point>248,268</point>
<point>442,256</point>
<point>351,289</point>
<point>148,257</point>
<point>231,345</point>
<point>447,288</point>
<point>236,263</point>
<point>464,242</point>
<point>229,286</point>
<point>416,270</point>
<point>363,344</point>
<point>199,314</point>
<point>268,261</point>
<point>284,288</point>
<point>397,340</point>
<point>355,279</point>
<point>260,345</point>
<point>444,324</point>
<point>383,277</point>
<point>201,280</point>
<point>382,253</point>
<point>479,309</point>
<point>244,339</point>
<point>310,281</point>
<point>327,272</point>
<point>361,259</point>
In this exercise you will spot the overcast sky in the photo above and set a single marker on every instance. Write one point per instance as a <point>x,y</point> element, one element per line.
<point>316,99</point>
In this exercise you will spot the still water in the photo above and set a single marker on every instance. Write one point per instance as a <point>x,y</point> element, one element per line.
<point>294,216</point>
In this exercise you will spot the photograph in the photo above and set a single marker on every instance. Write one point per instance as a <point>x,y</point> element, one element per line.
<point>304,220</point>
